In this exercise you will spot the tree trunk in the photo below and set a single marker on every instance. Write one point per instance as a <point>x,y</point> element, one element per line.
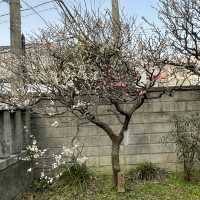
<point>187,172</point>
<point>115,161</point>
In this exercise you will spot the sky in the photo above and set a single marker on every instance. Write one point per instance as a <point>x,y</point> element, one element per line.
<point>32,22</point>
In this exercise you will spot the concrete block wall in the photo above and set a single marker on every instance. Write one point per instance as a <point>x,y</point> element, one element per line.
<point>143,140</point>
<point>14,131</point>
<point>14,136</point>
<point>13,177</point>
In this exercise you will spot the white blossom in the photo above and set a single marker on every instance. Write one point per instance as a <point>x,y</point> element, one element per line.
<point>34,142</point>
<point>67,151</point>
<point>55,124</point>
<point>54,165</point>
<point>35,156</point>
<point>50,181</point>
<point>29,170</point>
<point>70,83</point>
<point>52,103</point>
<point>26,129</point>
<point>26,102</point>
<point>82,160</point>
<point>42,174</point>
<point>79,104</point>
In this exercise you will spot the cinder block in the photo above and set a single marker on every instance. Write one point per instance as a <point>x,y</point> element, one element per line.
<point>116,129</point>
<point>105,170</point>
<point>87,131</point>
<point>105,161</point>
<point>109,119</point>
<point>48,121</point>
<point>186,95</point>
<point>150,107</point>
<point>53,132</point>
<point>138,149</point>
<point>163,158</point>
<point>93,109</point>
<point>90,141</point>
<point>136,159</point>
<point>104,110</point>
<point>193,105</point>
<point>92,162</point>
<point>150,128</point>
<point>105,150</point>
<point>55,142</point>
<point>104,141</point>
<point>90,151</point>
<point>170,167</point>
<point>157,138</point>
<point>162,148</point>
<point>150,148</point>
<point>138,139</point>
<point>154,158</point>
<point>139,118</point>
<point>68,121</point>
<point>180,106</point>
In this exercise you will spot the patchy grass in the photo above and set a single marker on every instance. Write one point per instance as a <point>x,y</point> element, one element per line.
<point>172,188</point>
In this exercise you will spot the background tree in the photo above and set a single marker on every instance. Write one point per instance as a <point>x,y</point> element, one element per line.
<point>78,65</point>
<point>181,20</point>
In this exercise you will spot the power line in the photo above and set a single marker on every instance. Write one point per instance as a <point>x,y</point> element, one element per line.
<point>41,11</point>
<point>44,10</point>
<point>30,8</point>
<point>38,5</point>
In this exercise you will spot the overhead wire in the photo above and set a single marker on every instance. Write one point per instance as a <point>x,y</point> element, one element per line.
<point>36,12</point>
<point>41,11</point>
<point>30,7</point>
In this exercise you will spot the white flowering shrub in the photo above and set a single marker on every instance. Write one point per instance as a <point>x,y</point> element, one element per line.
<point>71,167</point>
<point>34,155</point>
<point>32,151</point>
<point>42,183</point>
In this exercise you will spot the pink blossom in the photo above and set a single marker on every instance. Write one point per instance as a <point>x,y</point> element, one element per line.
<point>142,92</point>
<point>125,94</point>
<point>158,77</point>
<point>120,84</point>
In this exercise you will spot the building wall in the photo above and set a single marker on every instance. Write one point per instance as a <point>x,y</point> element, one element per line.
<point>143,141</point>
<point>13,178</point>
<point>14,136</point>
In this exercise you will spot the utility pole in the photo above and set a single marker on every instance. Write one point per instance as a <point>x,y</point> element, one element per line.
<point>115,22</point>
<point>17,43</point>
<point>15,27</point>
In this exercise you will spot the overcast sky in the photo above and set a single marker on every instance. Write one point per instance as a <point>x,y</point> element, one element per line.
<point>31,22</point>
